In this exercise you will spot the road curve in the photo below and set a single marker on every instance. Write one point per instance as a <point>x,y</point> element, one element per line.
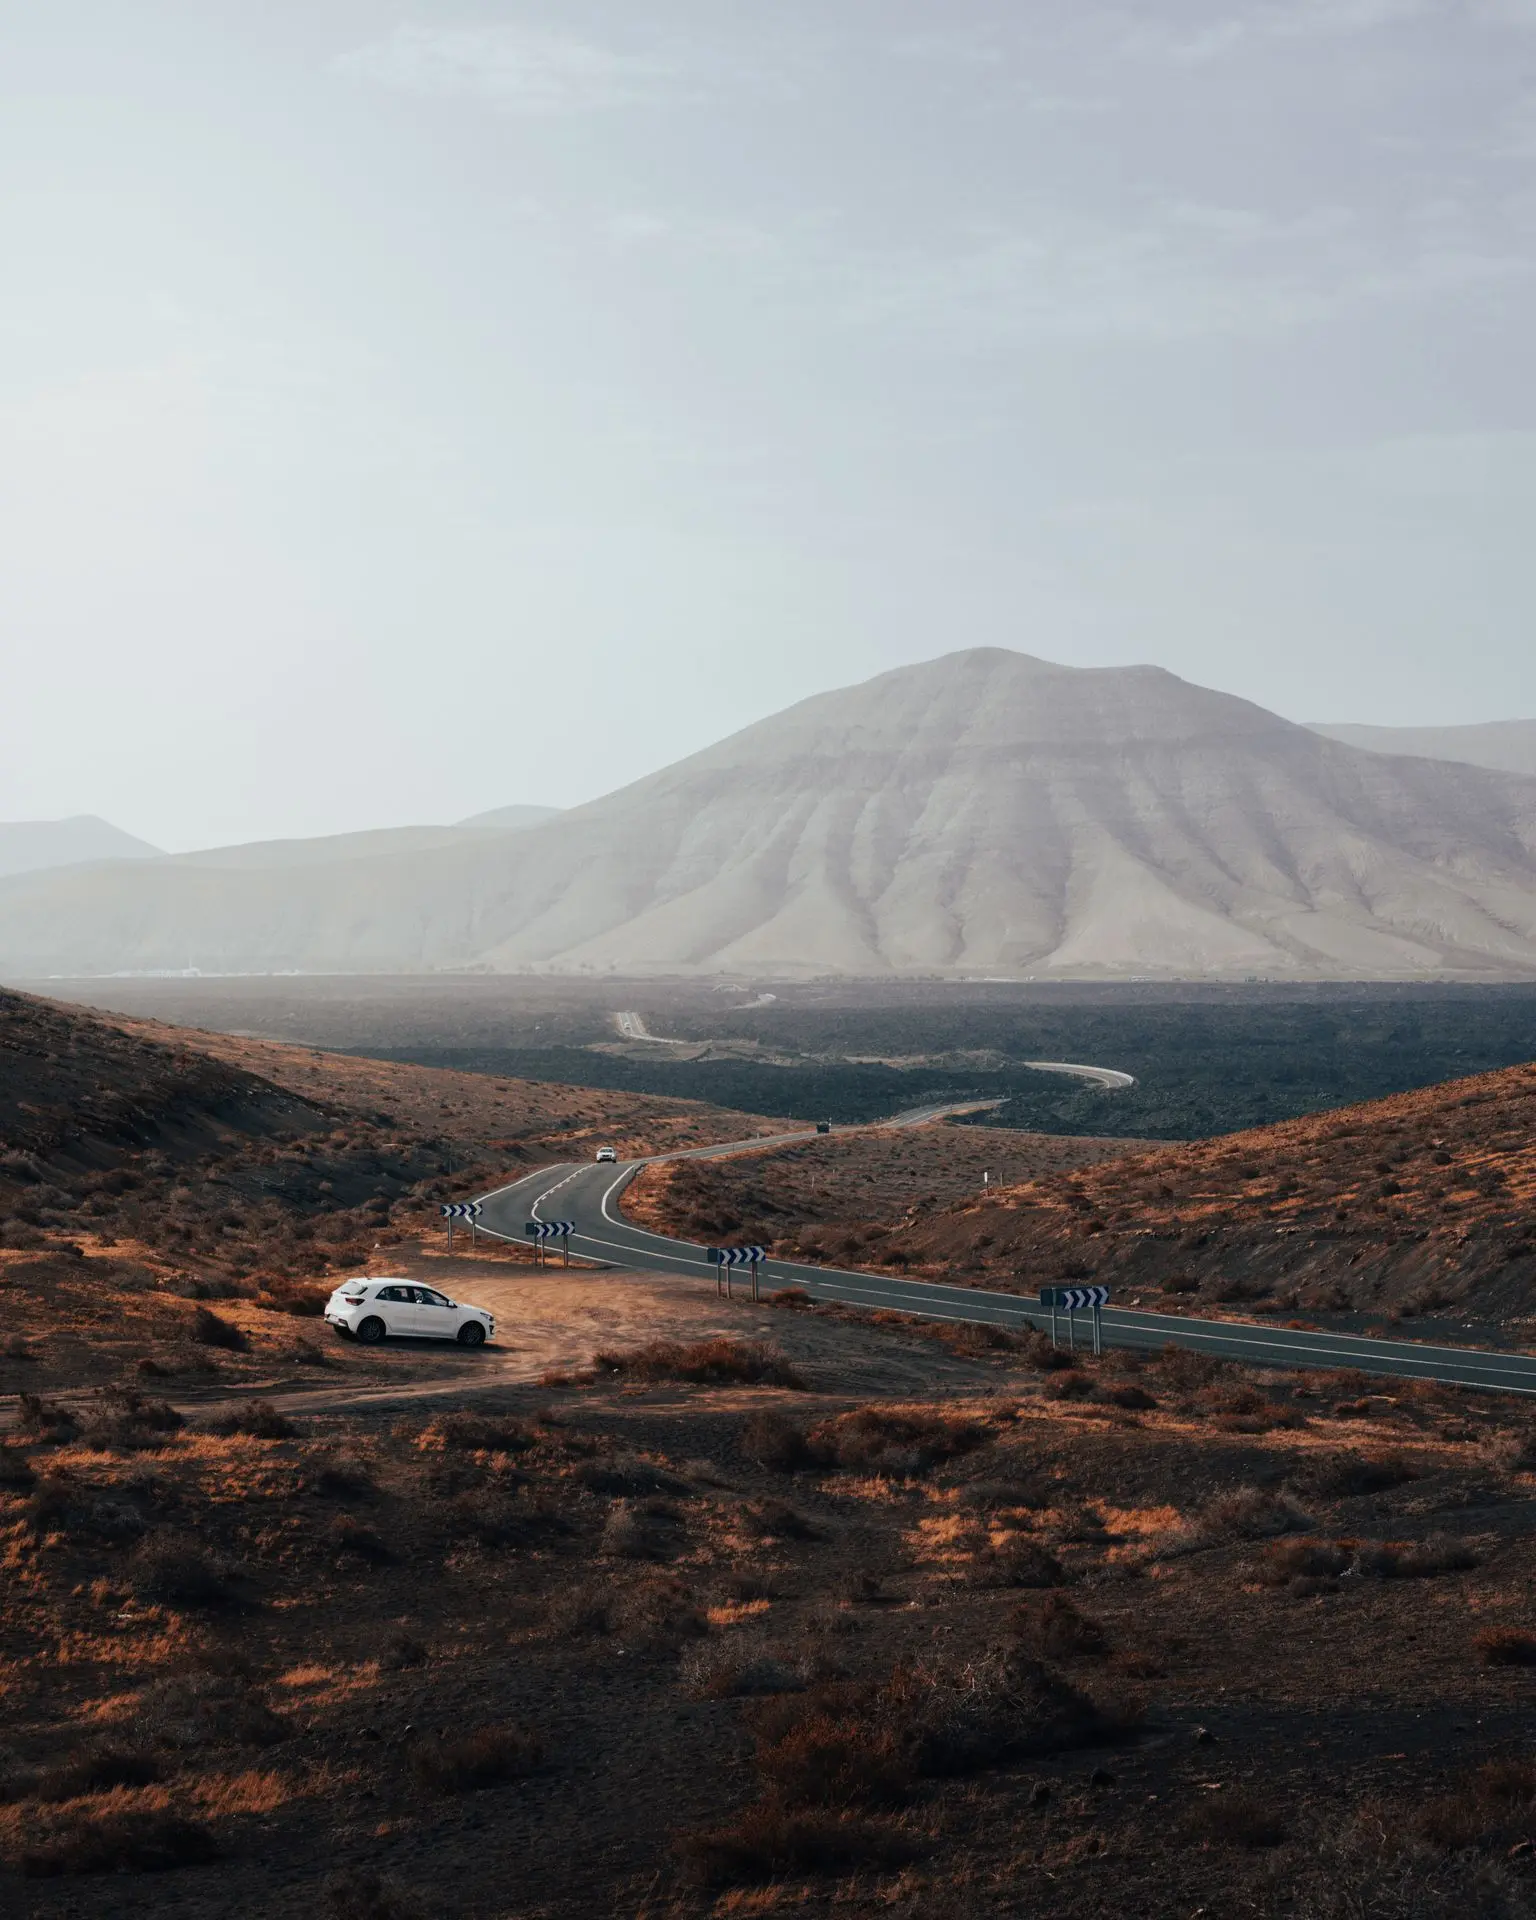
<point>588,1195</point>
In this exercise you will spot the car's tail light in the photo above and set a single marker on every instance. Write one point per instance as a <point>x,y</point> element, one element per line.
<point>354,1299</point>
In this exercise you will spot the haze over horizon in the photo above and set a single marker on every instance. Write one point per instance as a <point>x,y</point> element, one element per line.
<point>407,411</point>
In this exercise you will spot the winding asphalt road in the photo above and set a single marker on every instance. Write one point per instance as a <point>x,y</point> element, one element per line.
<point>588,1194</point>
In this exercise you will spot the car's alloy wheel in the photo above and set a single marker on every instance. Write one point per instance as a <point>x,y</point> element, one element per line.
<point>371,1331</point>
<point>471,1334</point>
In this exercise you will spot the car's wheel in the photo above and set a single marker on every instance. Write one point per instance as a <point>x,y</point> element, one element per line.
<point>471,1334</point>
<point>371,1331</point>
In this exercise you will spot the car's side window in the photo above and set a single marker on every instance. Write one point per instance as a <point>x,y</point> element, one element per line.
<point>394,1293</point>
<point>428,1298</point>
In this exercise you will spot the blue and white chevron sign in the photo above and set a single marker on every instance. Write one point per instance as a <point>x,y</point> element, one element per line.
<point>461,1210</point>
<point>737,1256</point>
<point>1073,1299</point>
<point>550,1229</point>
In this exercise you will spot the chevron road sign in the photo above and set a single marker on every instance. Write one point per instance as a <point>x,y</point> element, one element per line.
<point>724,1258</point>
<point>541,1230</point>
<point>1072,1301</point>
<point>461,1210</point>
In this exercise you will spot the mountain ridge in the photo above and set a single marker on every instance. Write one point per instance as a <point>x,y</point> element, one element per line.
<point>986,812</point>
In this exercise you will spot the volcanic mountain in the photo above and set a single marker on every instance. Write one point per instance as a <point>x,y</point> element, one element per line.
<point>985,813</point>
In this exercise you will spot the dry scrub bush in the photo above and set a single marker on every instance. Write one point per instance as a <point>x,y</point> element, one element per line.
<point>1339,1476</point>
<point>124,1420</point>
<point>1369,1870</point>
<point>739,1668</point>
<point>44,1420</point>
<point>174,1568</point>
<point>779,1444</point>
<point>630,1535</point>
<point>767,1842</point>
<point>627,1475</point>
<point>859,1745</point>
<point>1305,1566</point>
<point>776,1520</point>
<point>1505,1647</point>
<point>898,1441</point>
<point>1512,1448</point>
<point>59,1503</point>
<point>258,1420</point>
<point>476,1433</point>
<point>482,1757</point>
<point>343,1477</point>
<point>1015,1561</point>
<point>1415,1560</point>
<point>192,1710</point>
<point>1053,1627</point>
<point>1045,1356</point>
<point>1247,1513</point>
<point>718,1362</point>
<point>1185,1370</point>
<point>364,1895</point>
<point>209,1330</point>
<point>97,1769</point>
<point>1492,1810</point>
<point>119,1840</point>
<point>401,1651</point>
<point>348,1535</point>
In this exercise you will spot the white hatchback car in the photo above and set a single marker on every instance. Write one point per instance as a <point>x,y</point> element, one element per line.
<point>372,1310</point>
<point>606,1153</point>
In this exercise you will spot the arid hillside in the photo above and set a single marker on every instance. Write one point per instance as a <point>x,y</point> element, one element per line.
<point>698,1633</point>
<point>144,1169</point>
<point>1408,1207</point>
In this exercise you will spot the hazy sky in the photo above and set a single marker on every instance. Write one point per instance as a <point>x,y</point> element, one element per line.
<point>407,408</point>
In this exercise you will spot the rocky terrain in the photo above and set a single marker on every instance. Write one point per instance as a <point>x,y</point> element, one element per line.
<point>985,813</point>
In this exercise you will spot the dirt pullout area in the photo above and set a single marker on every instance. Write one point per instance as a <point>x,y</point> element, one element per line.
<point>835,1197</point>
<point>815,1620</point>
<point>1402,1209</point>
<point>182,1201</point>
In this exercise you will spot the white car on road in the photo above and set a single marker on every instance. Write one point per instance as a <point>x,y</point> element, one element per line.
<point>606,1153</point>
<point>374,1310</point>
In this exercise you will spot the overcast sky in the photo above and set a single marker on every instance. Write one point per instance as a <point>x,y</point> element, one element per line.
<point>407,409</point>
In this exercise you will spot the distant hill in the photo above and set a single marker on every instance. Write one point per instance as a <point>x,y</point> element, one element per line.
<point>1415,1204</point>
<point>1508,745</point>
<point>509,819</point>
<point>29,846</point>
<point>986,813</point>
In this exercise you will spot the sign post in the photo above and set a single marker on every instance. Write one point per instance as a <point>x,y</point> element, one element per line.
<point>461,1210</point>
<point>540,1231</point>
<point>1073,1298</point>
<point>723,1259</point>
